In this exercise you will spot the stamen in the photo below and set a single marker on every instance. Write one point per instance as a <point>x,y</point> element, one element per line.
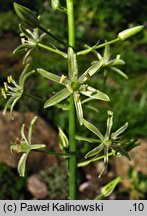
<point>63,78</point>
<point>3,93</point>
<point>9,79</point>
<point>6,86</point>
<point>23,40</point>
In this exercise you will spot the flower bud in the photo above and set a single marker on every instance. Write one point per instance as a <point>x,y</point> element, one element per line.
<point>130,32</point>
<point>26,15</point>
<point>55,4</point>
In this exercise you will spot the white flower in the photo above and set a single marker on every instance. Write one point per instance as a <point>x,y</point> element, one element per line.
<point>14,91</point>
<point>24,145</point>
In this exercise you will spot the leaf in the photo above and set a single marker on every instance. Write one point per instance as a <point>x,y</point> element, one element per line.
<point>119,131</point>
<point>121,73</point>
<point>73,67</point>
<point>26,15</point>
<point>95,94</point>
<point>109,125</point>
<point>92,128</point>
<point>129,145</point>
<point>63,141</point>
<point>22,164</point>
<point>86,139</point>
<point>78,106</point>
<point>58,97</point>
<point>124,153</point>
<point>90,71</point>
<point>95,151</point>
<point>50,76</point>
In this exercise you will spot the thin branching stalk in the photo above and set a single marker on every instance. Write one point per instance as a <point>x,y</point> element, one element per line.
<point>52,50</point>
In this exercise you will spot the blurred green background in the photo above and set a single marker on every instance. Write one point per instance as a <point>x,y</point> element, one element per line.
<point>96,20</point>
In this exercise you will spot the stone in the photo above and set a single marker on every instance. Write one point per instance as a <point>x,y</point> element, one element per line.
<point>37,186</point>
<point>138,160</point>
<point>42,133</point>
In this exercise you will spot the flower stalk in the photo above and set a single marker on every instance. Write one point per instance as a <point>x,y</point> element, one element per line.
<point>72,117</point>
<point>75,89</point>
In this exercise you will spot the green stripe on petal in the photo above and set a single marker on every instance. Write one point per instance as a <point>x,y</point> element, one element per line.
<point>26,32</point>
<point>93,129</point>
<point>73,67</point>
<point>79,109</point>
<point>95,151</point>
<point>58,97</point>
<point>12,107</point>
<point>31,128</point>
<point>95,94</point>
<point>86,139</point>
<point>63,141</point>
<point>51,76</point>
<point>23,47</point>
<point>109,125</point>
<point>22,164</point>
<point>90,71</point>
<point>121,73</point>
<point>37,146</point>
<point>119,131</point>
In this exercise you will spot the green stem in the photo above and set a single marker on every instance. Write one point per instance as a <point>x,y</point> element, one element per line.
<point>86,51</point>
<point>85,163</point>
<point>71,28</point>
<point>53,36</point>
<point>33,97</point>
<point>52,50</point>
<point>72,117</point>
<point>52,153</point>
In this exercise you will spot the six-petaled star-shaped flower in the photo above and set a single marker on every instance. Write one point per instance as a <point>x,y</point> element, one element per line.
<point>74,85</point>
<point>24,145</point>
<point>14,91</point>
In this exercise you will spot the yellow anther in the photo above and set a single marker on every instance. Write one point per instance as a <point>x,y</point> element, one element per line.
<point>22,35</point>
<point>3,93</point>
<point>6,86</point>
<point>23,40</point>
<point>63,78</point>
<point>9,79</point>
<point>84,87</point>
